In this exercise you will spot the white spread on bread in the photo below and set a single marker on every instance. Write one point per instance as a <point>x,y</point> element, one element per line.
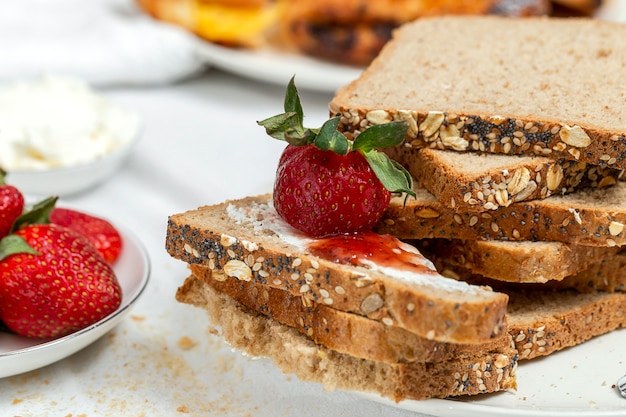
<point>263,217</point>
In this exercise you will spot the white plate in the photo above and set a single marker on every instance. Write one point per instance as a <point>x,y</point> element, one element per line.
<point>278,67</point>
<point>20,354</point>
<point>575,382</point>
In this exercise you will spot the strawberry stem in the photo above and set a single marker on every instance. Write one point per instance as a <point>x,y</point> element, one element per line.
<point>288,126</point>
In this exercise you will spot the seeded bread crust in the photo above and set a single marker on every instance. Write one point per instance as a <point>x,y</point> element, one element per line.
<point>588,217</point>
<point>541,318</point>
<point>523,262</point>
<point>294,353</point>
<point>521,95</point>
<point>343,332</point>
<point>607,275</point>
<point>434,309</point>
<point>562,319</point>
<point>477,182</point>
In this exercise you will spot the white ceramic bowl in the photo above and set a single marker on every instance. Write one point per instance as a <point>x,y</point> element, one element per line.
<point>71,180</point>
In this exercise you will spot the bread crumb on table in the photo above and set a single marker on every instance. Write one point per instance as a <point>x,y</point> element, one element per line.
<point>186,343</point>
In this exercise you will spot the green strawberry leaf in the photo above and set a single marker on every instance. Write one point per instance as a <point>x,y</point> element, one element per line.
<point>38,214</point>
<point>391,174</point>
<point>329,138</point>
<point>288,126</point>
<point>380,136</point>
<point>292,100</point>
<point>284,126</point>
<point>12,244</point>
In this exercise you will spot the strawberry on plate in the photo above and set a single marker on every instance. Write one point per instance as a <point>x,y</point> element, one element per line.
<point>11,205</point>
<point>53,282</point>
<point>326,185</point>
<point>102,234</point>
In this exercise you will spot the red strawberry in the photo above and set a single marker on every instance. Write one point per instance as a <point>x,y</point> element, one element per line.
<point>102,234</point>
<point>11,206</point>
<point>61,285</point>
<point>326,185</point>
<point>322,193</point>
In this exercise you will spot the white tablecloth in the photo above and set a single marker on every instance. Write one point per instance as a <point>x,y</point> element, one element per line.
<point>201,145</point>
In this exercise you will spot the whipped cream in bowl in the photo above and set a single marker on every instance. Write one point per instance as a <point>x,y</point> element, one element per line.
<point>58,136</point>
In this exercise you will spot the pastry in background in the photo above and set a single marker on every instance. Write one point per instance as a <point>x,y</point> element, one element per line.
<point>582,7</point>
<point>233,23</point>
<point>350,32</point>
<point>353,31</point>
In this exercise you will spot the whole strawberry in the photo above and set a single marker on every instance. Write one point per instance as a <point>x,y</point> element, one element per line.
<point>326,185</point>
<point>101,233</point>
<point>53,282</point>
<point>322,193</point>
<point>11,205</point>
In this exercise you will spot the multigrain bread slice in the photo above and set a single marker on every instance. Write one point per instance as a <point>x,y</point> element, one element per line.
<point>524,262</point>
<point>245,238</point>
<point>260,336</point>
<point>342,332</point>
<point>549,87</point>
<point>473,181</point>
<point>607,275</point>
<point>562,319</point>
<point>541,319</point>
<point>589,217</point>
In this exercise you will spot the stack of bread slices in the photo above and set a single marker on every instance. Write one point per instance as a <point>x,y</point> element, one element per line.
<point>517,151</point>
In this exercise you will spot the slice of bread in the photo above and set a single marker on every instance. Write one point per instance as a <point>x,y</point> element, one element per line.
<point>589,217</point>
<point>548,87</point>
<point>607,275</point>
<point>292,352</point>
<point>246,239</point>
<point>524,262</point>
<point>541,320</point>
<point>562,319</point>
<point>343,332</point>
<point>472,181</point>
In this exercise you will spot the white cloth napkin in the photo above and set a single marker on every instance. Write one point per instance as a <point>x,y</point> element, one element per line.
<point>105,42</point>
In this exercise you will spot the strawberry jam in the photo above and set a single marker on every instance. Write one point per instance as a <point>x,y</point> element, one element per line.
<point>368,247</point>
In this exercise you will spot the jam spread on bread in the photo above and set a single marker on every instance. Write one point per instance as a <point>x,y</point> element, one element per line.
<point>368,247</point>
